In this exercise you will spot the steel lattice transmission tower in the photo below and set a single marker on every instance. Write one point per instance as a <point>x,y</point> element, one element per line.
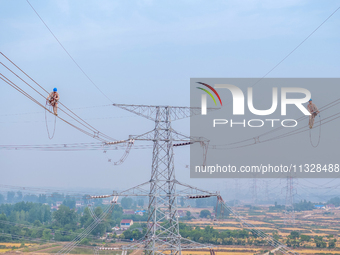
<point>254,189</point>
<point>289,214</point>
<point>162,236</point>
<point>163,189</point>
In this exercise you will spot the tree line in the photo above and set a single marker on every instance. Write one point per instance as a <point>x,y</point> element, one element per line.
<point>36,220</point>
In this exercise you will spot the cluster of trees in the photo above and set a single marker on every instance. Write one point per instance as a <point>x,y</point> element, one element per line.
<point>37,221</point>
<point>202,202</point>
<point>205,214</point>
<point>334,201</point>
<point>304,205</point>
<point>276,207</point>
<point>296,240</point>
<point>187,216</point>
<point>16,197</point>
<point>301,206</point>
<point>33,231</point>
<point>136,231</point>
<point>26,212</point>
<point>206,235</point>
<point>129,203</point>
<point>225,237</point>
<point>205,202</point>
<point>32,214</point>
<point>65,223</point>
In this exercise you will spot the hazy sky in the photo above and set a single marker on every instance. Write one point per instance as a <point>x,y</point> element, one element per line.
<point>141,52</point>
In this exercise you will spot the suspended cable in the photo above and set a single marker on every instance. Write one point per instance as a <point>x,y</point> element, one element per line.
<point>34,100</point>
<point>319,196</point>
<point>5,79</point>
<point>67,248</point>
<point>320,185</point>
<point>45,190</point>
<point>250,139</point>
<point>96,134</point>
<point>256,231</point>
<point>257,140</point>
<point>75,117</point>
<point>34,227</point>
<point>297,46</point>
<point>69,53</point>
<point>74,147</point>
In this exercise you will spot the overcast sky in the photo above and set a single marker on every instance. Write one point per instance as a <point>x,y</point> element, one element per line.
<point>141,52</point>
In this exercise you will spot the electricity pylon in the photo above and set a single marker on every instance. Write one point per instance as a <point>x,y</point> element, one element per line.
<point>162,236</point>
<point>254,191</point>
<point>163,189</point>
<point>289,214</point>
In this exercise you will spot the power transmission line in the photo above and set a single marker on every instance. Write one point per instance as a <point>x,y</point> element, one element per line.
<point>297,46</point>
<point>75,117</point>
<point>95,133</point>
<point>45,190</point>
<point>74,61</point>
<point>256,140</point>
<point>72,147</point>
<point>101,146</point>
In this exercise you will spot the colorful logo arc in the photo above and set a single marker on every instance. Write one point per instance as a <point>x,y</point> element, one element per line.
<point>209,93</point>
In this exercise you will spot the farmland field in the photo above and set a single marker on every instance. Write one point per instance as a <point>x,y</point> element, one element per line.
<point>316,224</point>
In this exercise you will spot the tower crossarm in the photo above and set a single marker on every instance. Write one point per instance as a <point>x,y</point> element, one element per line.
<point>146,111</point>
<point>150,111</point>
<point>139,190</point>
<point>148,136</point>
<point>183,190</point>
<point>192,192</point>
<point>176,137</point>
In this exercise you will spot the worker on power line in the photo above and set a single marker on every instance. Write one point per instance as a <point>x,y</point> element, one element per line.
<point>53,99</point>
<point>313,111</point>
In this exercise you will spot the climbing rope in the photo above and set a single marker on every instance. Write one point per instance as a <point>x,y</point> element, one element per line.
<point>310,135</point>
<point>50,109</point>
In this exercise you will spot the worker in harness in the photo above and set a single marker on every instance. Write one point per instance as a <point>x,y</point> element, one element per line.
<point>313,110</point>
<point>53,99</point>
